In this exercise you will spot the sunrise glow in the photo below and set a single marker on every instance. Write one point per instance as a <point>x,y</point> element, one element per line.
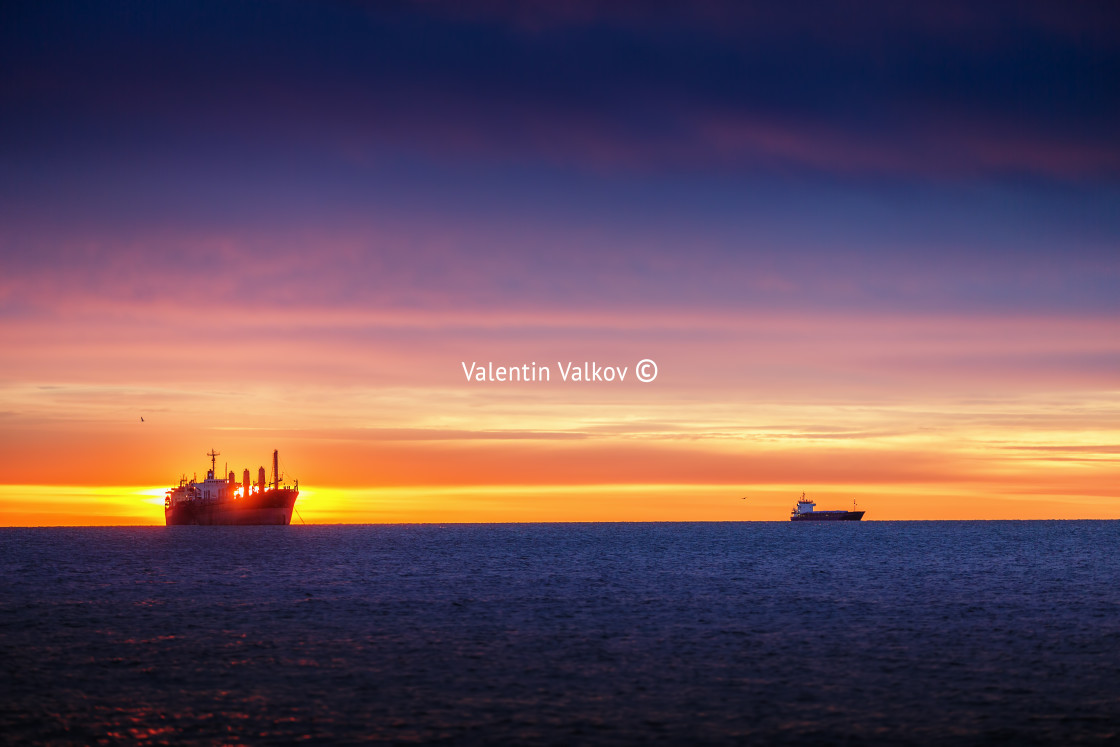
<point>899,296</point>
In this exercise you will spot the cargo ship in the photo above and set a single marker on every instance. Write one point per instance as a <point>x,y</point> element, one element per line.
<point>804,511</point>
<point>224,501</point>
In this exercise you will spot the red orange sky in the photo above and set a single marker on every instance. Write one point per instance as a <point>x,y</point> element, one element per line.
<point>885,271</point>
<point>925,418</point>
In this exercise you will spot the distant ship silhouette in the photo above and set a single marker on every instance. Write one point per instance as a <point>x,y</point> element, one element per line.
<point>803,511</point>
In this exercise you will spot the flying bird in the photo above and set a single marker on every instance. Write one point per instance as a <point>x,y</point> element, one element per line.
<point>141,418</point>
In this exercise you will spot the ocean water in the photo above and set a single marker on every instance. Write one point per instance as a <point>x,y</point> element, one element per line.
<point>763,633</point>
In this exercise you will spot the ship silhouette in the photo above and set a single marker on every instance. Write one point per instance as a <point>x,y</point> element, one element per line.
<point>224,501</point>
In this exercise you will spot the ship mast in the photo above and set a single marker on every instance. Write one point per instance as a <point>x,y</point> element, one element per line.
<point>213,460</point>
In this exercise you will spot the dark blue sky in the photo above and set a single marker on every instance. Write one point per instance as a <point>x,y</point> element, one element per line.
<point>883,156</point>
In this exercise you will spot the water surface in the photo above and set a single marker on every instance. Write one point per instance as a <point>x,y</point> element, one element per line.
<point>870,632</point>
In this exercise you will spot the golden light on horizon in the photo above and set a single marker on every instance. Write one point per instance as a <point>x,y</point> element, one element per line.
<point>38,505</point>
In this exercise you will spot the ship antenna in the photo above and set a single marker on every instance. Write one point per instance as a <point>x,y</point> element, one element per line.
<point>213,460</point>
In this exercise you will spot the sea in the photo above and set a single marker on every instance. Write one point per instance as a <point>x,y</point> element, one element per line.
<point>988,632</point>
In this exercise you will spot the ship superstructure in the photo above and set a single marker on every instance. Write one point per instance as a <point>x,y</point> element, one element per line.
<point>223,500</point>
<point>805,510</point>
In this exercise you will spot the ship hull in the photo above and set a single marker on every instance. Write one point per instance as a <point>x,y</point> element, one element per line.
<point>270,507</point>
<point>828,516</point>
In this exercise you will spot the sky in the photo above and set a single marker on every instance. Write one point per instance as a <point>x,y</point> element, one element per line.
<point>874,251</point>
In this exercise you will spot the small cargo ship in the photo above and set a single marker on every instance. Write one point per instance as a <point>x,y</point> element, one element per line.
<point>805,511</point>
<point>224,501</point>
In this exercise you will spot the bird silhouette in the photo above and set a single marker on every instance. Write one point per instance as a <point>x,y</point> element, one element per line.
<point>141,418</point>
